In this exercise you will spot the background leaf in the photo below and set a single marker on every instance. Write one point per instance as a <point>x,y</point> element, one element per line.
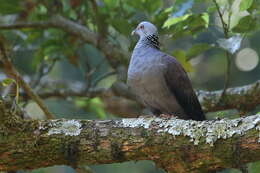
<point>245,4</point>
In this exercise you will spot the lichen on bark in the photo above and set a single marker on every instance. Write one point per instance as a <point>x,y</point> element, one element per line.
<point>198,131</point>
<point>64,127</point>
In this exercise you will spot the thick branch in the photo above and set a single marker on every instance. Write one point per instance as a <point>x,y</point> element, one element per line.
<point>243,98</point>
<point>113,54</point>
<point>173,144</point>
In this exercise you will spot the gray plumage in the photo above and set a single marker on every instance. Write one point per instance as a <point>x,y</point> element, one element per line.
<point>159,81</point>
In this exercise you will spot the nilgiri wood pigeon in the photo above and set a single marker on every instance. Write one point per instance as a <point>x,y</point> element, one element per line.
<point>158,79</point>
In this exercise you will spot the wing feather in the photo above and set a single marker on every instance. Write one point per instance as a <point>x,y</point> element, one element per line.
<point>179,84</point>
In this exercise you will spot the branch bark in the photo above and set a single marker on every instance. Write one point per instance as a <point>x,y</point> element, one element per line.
<point>243,98</point>
<point>174,145</point>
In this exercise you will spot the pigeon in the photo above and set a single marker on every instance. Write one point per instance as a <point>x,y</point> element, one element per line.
<point>158,79</point>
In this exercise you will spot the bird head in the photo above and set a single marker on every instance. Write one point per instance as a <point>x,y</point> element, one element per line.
<point>145,29</point>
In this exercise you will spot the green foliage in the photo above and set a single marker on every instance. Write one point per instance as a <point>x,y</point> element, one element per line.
<point>10,7</point>
<point>181,57</point>
<point>8,81</point>
<point>245,4</point>
<point>245,24</point>
<point>188,24</point>
<point>94,106</point>
<point>174,20</point>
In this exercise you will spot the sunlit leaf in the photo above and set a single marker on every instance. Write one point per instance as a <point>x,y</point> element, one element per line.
<point>181,57</point>
<point>205,17</point>
<point>173,20</point>
<point>7,81</point>
<point>42,9</point>
<point>94,105</point>
<point>245,4</point>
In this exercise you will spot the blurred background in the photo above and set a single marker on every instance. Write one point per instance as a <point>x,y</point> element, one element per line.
<point>62,67</point>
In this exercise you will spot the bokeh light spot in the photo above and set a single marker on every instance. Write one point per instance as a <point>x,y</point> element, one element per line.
<point>246,59</point>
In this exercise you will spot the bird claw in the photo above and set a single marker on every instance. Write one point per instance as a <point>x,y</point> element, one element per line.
<point>166,116</point>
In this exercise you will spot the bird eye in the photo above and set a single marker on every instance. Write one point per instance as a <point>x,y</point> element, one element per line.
<point>141,27</point>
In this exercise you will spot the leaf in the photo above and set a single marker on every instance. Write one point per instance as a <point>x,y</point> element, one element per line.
<point>211,9</point>
<point>111,3</point>
<point>245,4</point>
<point>254,8</point>
<point>245,24</point>
<point>7,81</point>
<point>41,9</point>
<point>190,24</point>
<point>181,57</point>
<point>10,6</point>
<point>197,49</point>
<point>205,17</point>
<point>173,20</point>
<point>94,105</point>
<point>152,5</point>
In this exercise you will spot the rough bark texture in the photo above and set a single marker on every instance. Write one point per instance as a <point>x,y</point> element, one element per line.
<point>173,144</point>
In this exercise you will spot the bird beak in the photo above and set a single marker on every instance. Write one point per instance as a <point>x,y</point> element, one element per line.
<point>133,32</point>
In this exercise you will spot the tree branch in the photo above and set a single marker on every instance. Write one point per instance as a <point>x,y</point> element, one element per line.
<point>13,73</point>
<point>114,55</point>
<point>173,144</point>
<point>243,98</point>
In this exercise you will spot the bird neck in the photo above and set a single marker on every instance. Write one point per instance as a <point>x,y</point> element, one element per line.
<point>150,40</point>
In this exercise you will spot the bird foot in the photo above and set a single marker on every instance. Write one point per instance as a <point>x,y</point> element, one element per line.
<point>166,116</point>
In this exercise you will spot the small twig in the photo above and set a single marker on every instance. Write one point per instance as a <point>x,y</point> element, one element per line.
<point>227,75</point>
<point>12,72</point>
<point>90,72</point>
<point>228,55</point>
<point>224,25</point>
<point>44,69</point>
<point>88,75</point>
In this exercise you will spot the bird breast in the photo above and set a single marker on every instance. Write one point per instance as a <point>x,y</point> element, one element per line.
<point>145,74</point>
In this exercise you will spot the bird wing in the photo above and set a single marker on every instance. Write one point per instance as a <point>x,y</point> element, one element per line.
<point>179,84</point>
